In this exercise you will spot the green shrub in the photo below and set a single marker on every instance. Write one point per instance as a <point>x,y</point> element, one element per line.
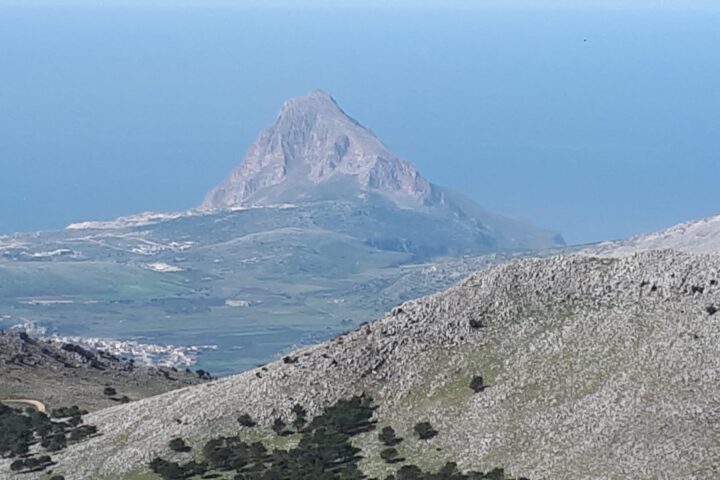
<point>178,445</point>
<point>246,420</point>
<point>425,431</point>
<point>477,385</point>
<point>387,437</point>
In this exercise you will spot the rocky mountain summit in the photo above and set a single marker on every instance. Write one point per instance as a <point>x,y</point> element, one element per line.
<point>700,236</point>
<point>594,368</point>
<point>61,373</point>
<point>315,152</point>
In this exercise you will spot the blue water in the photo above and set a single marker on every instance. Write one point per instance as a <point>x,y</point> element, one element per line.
<point>598,122</point>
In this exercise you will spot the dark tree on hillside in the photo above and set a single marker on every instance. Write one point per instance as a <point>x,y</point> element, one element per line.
<point>300,417</point>
<point>75,420</point>
<point>178,445</point>
<point>425,431</point>
<point>450,470</point>
<point>477,384</point>
<point>476,324</point>
<point>496,474</point>
<point>58,442</point>
<point>167,470</point>
<point>409,472</point>
<point>351,416</point>
<point>387,437</point>
<point>109,391</point>
<point>390,455</point>
<point>279,426</point>
<point>246,420</point>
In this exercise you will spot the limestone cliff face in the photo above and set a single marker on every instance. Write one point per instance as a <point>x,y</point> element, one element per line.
<point>314,150</point>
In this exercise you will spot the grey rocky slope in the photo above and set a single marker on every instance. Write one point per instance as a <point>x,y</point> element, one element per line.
<point>60,374</point>
<point>598,368</point>
<point>316,152</point>
<point>700,236</point>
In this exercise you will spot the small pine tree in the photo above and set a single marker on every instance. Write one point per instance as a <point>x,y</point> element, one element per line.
<point>477,384</point>
<point>450,470</point>
<point>496,474</point>
<point>390,455</point>
<point>17,465</point>
<point>425,431</point>
<point>476,324</point>
<point>409,472</point>
<point>300,417</point>
<point>246,420</point>
<point>387,437</point>
<point>58,442</point>
<point>178,445</point>
<point>75,420</point>
<point>279,426</point>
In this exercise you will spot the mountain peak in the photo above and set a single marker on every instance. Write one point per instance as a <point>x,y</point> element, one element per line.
<point>315,151</point>
<point>317,99</point>
<point>317,102</point>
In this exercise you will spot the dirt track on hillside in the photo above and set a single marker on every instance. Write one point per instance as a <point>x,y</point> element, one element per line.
<point>39,406</point>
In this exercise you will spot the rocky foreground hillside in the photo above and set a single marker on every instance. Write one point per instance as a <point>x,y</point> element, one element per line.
<point>61,374</point>
<point>596,368</point>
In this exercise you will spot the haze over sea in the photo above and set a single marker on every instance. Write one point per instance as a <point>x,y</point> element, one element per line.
<point>599,122</point>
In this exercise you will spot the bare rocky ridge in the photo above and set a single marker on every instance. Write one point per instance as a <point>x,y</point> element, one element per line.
<point>597,368</point>
<point>61,374</point>
<point>700,236</point>
<point>315,152</point>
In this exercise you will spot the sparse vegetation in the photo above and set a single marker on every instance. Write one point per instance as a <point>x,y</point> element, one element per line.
<point>560,348</point>
<point>31,464</point>
<point>21,430</point>
<point>324,452</point>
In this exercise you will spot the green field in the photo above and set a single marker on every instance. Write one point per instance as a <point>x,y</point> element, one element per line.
<point>252,283</point>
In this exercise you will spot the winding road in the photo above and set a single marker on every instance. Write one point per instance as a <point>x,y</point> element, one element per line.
<point>39,406</point>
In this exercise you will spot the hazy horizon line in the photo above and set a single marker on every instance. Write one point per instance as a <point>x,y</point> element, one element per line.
<point>374,4</point>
